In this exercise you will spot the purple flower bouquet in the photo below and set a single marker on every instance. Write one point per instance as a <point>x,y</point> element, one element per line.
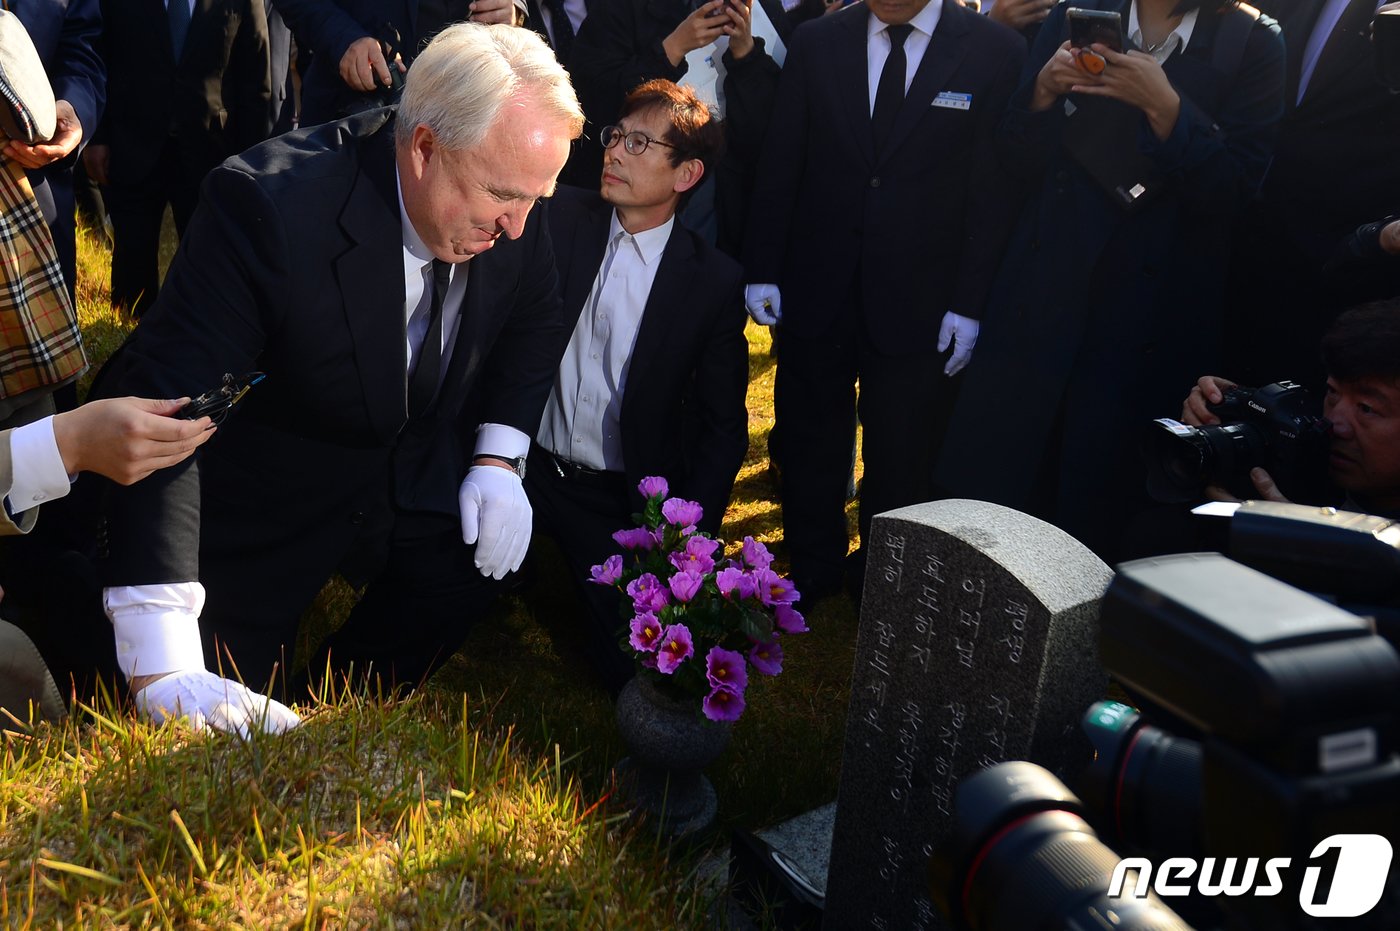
<point>698,620</point>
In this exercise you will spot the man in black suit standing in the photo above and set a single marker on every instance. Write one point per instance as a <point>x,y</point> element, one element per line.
<point>387,275</point>
<point>876,227</point>
<point>1336,167</point>
<point>187,86</point>
<point>654,376</point>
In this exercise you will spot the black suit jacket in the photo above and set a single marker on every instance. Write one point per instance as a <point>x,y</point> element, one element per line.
<point>921,225</point>
<point>1336,160</point>
<point>214,100</point>
<point>293,265</point>
<point>683,412</point>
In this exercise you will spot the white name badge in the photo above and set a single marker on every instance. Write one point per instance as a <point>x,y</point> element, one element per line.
<point>953,101</point>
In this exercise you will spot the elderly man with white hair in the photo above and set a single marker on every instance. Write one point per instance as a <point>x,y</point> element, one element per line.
<point>387,274</point>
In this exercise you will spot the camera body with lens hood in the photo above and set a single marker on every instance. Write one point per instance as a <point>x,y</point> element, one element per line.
<point>1267,726</point>
<point>1278,427</point>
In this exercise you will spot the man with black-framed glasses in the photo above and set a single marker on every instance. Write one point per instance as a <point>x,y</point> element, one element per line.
<point>654,376</point>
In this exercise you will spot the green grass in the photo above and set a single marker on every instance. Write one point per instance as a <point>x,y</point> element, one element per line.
<point>483,801</point>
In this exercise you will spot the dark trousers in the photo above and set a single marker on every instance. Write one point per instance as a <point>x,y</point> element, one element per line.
<point>581,512</point>
<point>414,613</point>
<point>136,209</point>
<point>901,402</point>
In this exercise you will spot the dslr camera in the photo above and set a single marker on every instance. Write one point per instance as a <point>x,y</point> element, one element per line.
<point>1279,427</point>
<point>1255,787</point>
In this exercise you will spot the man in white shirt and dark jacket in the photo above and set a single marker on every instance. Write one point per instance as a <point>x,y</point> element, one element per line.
<point>655,373</point>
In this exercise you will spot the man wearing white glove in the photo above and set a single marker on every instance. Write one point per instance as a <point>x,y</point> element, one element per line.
<point>389,277</point>
<point>873,237</point>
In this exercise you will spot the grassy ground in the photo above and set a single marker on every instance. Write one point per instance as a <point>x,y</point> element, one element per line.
<point>483,801</point>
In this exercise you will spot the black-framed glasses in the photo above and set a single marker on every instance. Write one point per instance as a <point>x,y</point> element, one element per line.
<point>635,142</point>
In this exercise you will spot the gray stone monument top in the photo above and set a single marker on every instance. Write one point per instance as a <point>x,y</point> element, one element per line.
<point>977,644</point>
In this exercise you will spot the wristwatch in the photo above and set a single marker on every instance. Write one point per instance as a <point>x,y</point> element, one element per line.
<point>517,463</point>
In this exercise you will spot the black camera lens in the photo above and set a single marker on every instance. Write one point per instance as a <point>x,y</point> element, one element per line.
<point>1022,858</point>
<point>1181,460</point>
<point>1143,788</point>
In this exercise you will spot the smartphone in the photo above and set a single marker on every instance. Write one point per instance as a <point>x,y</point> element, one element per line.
<point>1089,26</point>
<point>217,403</point>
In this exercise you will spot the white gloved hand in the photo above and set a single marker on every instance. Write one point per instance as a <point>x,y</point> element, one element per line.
<point>210,701</point>
<point>496,516</point>
<point>764,304</point>
<point>960,333</point>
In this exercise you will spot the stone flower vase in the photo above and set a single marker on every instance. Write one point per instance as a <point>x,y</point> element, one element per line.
<point>669,743</point>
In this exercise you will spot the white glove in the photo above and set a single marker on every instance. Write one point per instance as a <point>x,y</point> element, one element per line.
<point>210,701</point>
<point>764,304</point>
<point>960,333</point>
<point>496,516</point>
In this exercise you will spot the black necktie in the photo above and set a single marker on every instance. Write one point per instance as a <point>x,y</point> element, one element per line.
<point>423,381</point>
<point>178,12</point>
<point>889,93</point>
<point>562,28</point>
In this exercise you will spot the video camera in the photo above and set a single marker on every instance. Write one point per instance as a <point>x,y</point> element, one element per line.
<point>1257,785</point>
<point>1278,427</point>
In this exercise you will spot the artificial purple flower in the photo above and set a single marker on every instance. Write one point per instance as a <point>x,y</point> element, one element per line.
<point>756,555</point>
<point>646,633</point>
<point>767,658</point>
<point>698,555</point>
<point>723,705</point>
<point>609,572</point>
<point>735,581</point>
<point>685,585</point>
<point>788,620</point>
<point>648,594</point>
<point>676,647</point>
<point>649,661</point>
<point>681,513</point>
<point>773,589</point>
<point>635,538</point>
<point>726,670</point>
<point>653,486</point>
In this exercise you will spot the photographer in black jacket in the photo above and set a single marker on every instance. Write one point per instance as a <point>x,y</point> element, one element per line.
<point>1361,354</point>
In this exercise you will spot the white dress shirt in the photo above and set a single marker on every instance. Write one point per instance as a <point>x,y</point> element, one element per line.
<point>1176,39</point>
<point>36,467</point>
<point>582,418</point>
<point>156,625</point>
<point>877,46</point>
<point>418,295</point>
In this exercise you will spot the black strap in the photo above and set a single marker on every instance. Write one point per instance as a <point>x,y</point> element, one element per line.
<point>1231,39</point>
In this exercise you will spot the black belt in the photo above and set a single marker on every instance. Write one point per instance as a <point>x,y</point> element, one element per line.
<point>582,474</point>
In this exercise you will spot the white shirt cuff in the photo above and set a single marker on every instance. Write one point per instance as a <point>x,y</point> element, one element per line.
<point>156,627</point>
<point>497,439</point>
<point>36,467</point>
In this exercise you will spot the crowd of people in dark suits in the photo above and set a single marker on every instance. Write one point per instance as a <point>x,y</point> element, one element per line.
<point>996,260</point>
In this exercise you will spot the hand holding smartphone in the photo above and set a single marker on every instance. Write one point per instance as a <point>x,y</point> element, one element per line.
<point>1088,27</point>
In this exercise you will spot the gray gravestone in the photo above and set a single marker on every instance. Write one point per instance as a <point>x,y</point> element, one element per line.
<point>977,644</point>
